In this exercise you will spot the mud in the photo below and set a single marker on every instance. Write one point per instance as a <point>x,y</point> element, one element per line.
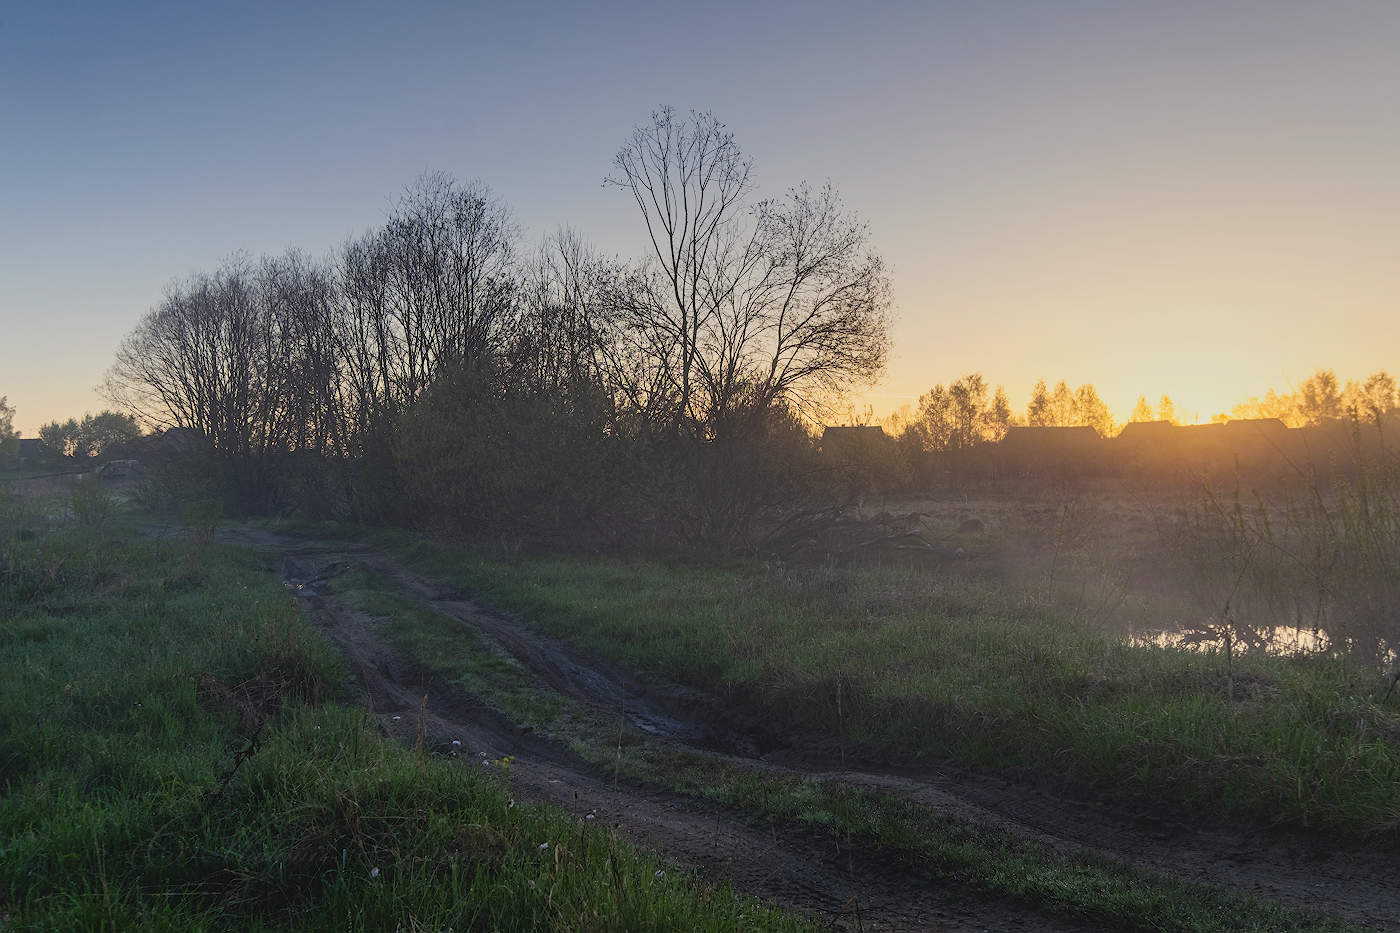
<point>807,871</point>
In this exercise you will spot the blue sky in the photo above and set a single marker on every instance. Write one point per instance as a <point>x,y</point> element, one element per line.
<point>1194,198</point>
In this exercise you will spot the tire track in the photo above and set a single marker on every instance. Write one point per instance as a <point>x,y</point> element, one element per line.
<point>1302,872</point>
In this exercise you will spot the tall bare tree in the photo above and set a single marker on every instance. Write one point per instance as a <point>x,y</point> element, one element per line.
<point>434,288</point>
<point>1376,397</point>
<point>752,303</point>
<point>447,249</point>
<point>197,360</point>
<point>301,310</point>
<point>1039,412</point>
<point>1320,398</point>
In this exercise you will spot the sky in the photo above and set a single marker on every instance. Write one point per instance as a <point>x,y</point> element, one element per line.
<point>1193,198</point>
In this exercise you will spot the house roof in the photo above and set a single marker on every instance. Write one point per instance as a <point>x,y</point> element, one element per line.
<point>853,430</point>
<point>1022,434</point>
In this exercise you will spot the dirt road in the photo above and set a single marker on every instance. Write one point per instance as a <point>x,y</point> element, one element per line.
<point>852,887</point>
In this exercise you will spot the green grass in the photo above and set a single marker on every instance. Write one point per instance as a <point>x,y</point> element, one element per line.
<point>998,865</point>
<point>922,663</point>
<point>447,647</point>
<point>118,657</point>
<point>1078,886</point>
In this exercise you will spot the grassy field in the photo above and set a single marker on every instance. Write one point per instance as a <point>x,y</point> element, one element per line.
<point>996,864</point>
<point>924,663</point>
<point>171,758</point>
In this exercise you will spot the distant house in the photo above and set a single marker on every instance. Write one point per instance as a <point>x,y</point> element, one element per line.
<point>175,443</point>
<point>1079,438</point>
<point>854,443</point>
<point>1265,427</point>
<point>1200,449</point>
<point>1032,450</point>
<point>1137,432</point>
<point>32,451</point>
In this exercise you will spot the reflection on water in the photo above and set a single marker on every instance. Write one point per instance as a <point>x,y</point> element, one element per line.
<point>1281,639</point>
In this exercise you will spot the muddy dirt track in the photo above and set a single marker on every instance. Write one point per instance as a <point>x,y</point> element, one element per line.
<point>805,870</point>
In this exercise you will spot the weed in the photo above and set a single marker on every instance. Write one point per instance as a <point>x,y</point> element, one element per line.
<point>201,516</point>
<point>1317,556</point>
<point>91,502</point>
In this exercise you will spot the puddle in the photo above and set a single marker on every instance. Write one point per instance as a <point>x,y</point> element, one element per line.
<point>300,588</point>
<point>1281,639</point>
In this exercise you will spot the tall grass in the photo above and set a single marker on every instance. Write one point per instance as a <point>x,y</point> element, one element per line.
<point>1320,556</point>
<point>922,663</point>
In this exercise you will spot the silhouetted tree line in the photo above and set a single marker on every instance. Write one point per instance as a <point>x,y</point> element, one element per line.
<point>951,437</point>
<point>431,372</point>
<point>1322,398</point>
<point>107,434</point>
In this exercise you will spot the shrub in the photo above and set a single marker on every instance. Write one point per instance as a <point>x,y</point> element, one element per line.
<point>91,502</point>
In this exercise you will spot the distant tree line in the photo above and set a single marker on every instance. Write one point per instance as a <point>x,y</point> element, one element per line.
<point>1166,410</point>
<point>433,371</point>
<point>967,413</point>
<point>1322,398</point>
<point>94,436</point>
<point>952,427</point>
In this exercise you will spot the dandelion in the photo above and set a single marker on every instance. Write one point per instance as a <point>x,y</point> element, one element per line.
<point>589,817</point>
<point>374,872</point>
<point>660,873</point>
<point>544,847</point>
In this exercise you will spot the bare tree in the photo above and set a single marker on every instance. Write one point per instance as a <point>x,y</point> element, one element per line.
<point>1320,398</point>
<point>434,288</point>
<point>1166,409</point>
<point>750,304</point>
<point>301,310</point>
<point>447,251</point>
<point>998,417</point>
<point>1040,410</point>
<point>567,297</point>
<point>1376,397</point>
<point>195,361</point>
<point>1091,410</point>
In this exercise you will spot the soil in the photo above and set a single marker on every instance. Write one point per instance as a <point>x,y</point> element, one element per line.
<point>850,887</point>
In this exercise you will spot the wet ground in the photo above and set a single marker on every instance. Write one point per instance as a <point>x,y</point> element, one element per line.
<point>850,886</point>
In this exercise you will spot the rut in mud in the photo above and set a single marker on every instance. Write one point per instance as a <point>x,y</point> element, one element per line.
<point>793,867</point>
<point>850,887</point>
